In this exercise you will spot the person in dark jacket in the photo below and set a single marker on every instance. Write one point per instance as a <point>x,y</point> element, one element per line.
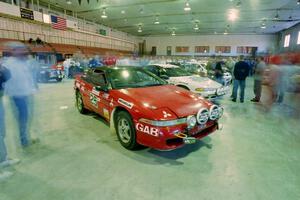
<point>241,71</point>
<point>219,73</point>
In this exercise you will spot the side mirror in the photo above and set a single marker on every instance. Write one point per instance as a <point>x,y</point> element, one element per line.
<point>165,77</point>
<point>103,88</point>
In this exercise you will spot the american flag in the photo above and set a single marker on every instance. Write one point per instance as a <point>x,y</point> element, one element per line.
<point>58,22</point>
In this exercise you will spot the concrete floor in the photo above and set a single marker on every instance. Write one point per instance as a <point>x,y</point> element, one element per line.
<point>255,156</point>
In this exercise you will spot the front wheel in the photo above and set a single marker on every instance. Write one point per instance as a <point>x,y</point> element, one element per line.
<point>79,103</point>
<point>125,130</point>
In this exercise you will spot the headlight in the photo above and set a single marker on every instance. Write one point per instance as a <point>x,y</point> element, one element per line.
<point>191,121</point>
<point>164,123</point>
<point>221,91</point>
<point>221,110</point>
<point>199,89</point>
<point>214,112</point>
<point>202,116</point>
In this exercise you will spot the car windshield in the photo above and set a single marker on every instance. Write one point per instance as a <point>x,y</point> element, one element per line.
<point>133,78</point>
<point>175,72</point>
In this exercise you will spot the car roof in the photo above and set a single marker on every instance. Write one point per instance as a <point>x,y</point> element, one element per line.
<point>107,68</point>
<point>166,65</point>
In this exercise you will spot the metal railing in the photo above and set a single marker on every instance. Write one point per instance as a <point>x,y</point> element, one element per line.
<point>85,41</point>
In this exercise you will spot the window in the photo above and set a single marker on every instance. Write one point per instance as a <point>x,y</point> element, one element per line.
<point>98,78</point>
<point>287,40</point>
<point>182,49</point>
<point>298,41</point>
<point>245,49</point>
<point>201,49</point>
<point>223,49</point>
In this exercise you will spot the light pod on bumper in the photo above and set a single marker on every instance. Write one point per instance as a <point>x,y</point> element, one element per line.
<point>202,116</point>
<point>214,112</point>
<point>191,121</point>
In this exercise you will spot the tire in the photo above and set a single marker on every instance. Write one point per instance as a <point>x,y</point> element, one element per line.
<point>125,130</point>
<point>184,87</point>
<point>58,79</point>
<point>79,103</point>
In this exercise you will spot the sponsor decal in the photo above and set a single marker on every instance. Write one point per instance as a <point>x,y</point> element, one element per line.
<point>105,96</point>
<point>94,100</point>
<point>111,104</point>
<point>125,103</point>
<point>95,92</point>
<point>147,129</point>
<point>166,115</point>
<point>105,113</point>
<point>77,85</point>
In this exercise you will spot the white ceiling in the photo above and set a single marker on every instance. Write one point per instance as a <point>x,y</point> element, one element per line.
<point>210,15</point>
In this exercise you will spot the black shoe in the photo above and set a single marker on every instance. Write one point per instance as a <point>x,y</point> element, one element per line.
<point>234,100</point>
<point>254,100</point>
<point>242,101</point>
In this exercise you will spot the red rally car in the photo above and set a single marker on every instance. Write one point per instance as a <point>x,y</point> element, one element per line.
<point>143,109</point>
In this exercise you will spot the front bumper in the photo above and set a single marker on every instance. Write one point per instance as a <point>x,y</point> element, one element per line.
<point>214,93</point>
<point>168,136</point>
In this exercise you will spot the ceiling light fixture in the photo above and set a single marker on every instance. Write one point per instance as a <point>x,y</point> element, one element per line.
<point>298,2</point>
<point>140,29</point>
<point>263,25</point>
<point>69,2</point>
<point>196,27</point>
<point>238,3</point>
<point>123,12</point>
<point>233,14</point>
<point>187,6</point>
<point>225,32</point>
<point>276,16</point>
<point>173,33</point>
<point>156,21</point>
<point>104,16</point>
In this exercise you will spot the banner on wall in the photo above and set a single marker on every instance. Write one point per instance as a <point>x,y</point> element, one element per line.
<point>26,13</point>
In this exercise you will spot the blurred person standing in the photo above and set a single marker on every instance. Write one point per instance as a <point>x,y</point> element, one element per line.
<point>4,160</point>
<point>21,86</point>
<point>240,72</point>
<point>258,76</point>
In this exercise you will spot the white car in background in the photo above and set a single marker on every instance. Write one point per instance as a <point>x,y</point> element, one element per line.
<point>175,75</point>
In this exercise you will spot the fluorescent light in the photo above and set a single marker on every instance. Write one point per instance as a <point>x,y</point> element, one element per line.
<point>69,2</point>
<point>196,27</point>
<point>156,21</point>
<point>187,6</point>
<point>173,33</point>
<point>263,25</point>
<point>140,29</point>
<point>123,12</point>
<point>298,2</point>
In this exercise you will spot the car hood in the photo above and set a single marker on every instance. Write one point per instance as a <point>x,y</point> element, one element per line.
<point>177,100</point>
<point>196,81</point>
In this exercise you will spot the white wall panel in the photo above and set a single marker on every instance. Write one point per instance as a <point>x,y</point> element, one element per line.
<point>263,42</point>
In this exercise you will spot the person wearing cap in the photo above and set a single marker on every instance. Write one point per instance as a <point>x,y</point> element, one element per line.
<point>21,86</point>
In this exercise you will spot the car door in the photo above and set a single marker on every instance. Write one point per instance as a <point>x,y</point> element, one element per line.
<point>100,100</point>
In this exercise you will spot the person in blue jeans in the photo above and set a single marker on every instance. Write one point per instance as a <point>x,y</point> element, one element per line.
<point>21,86</point>
<point>4,160</point>
<point>240,72</point>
